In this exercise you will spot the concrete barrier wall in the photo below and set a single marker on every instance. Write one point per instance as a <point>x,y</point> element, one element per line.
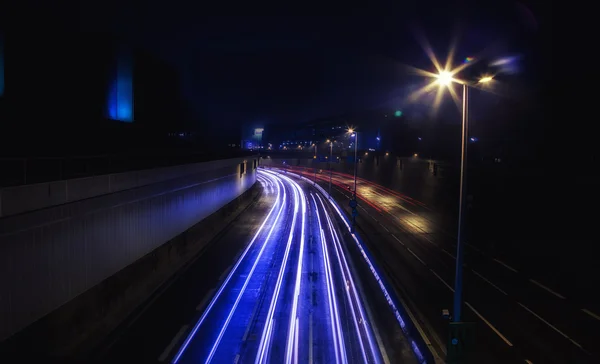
<point>59,239</point>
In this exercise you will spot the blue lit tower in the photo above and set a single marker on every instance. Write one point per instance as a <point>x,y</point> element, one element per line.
<point>120,89</point>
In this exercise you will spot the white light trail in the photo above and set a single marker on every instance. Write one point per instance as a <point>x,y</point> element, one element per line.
<point>265,340</point>
<point>336,328</point>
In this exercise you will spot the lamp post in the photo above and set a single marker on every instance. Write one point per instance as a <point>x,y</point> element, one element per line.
<point>355,135</point>
<point>315,162</point>
<point>330,159</point>
<point>445,79</point>
<point>353,202</point>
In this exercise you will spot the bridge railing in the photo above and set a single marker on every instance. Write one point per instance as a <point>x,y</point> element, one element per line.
<point>29,170</point>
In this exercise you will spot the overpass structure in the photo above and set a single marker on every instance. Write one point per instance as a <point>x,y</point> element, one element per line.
<point>62,243</point>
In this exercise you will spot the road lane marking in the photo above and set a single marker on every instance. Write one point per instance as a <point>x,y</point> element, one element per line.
<point>237,359</point>
<point>550,325</point>
<point>400,241</point>
<point>205,299</point>
<point>441,279</point>
<point>224,273</point>
<point>591,313</point>
<point>546,288</point>
<point>416,256</point>
<point>445,251</point>
<point>488,281</point>
<point>386,229</point>
<point>429,240</point>
<point>494,329</point>
<point>473,247</point>
<point>172,344</point>
<point>528,361</point>
<point>506,265</point>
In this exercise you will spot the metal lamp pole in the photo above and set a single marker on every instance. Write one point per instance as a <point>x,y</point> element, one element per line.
<point>458,283</point>
<point>355,160</point>
<point>330,161</point>
<point>315,159</point>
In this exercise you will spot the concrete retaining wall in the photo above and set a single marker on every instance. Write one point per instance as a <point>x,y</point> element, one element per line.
<point>59,239</point>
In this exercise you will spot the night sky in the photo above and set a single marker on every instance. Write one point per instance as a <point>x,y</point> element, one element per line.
<point>260,69</point>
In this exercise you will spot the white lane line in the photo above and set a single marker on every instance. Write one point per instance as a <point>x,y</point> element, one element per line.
<point>447,252</point>
<point>416,256</point>
<point>429,240</point>
<point>386,229</point>
<point>400,241</point>
<point>550,325</point>
<point>546,288</point>
<point>473,247</point>
<point>506,265</point>
<point>172,344</point>
<point>494,329</point>
<point>225,272</point>
<point>528,361</point>
<point>202,303</point>
<point>373,217</point>
<point>237,359</point>
<point>488,281</point>
<point>441,279</point>
<point>591,313</point>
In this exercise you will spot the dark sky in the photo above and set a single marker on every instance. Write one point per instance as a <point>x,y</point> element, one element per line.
<point>245,69</point>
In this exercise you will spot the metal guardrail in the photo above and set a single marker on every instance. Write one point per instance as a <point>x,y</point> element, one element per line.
<point>29,170</point>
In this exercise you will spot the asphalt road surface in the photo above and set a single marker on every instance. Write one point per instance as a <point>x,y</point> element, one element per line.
<point>280,285</point>
<point>517,319</point>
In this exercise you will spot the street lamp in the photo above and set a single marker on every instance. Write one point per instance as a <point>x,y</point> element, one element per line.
<point>315,161</point>
<point>353,202</point>
<point>330,159</point>
<point>444,78</point>
<point>355,135</point>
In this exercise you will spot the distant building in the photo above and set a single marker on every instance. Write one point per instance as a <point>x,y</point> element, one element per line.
<point>252,137</point>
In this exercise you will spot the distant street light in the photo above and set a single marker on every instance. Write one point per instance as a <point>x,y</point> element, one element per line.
<point>355,135</point>
<point>486,79</point>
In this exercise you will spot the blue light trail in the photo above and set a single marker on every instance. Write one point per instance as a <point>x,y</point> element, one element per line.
<point>280,201</point>
<point>237,327</point>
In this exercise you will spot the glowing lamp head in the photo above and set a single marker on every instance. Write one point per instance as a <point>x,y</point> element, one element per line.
<point>445,78</point>
<point>485,79</point>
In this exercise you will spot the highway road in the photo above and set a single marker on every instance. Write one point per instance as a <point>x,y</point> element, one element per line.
<point>518,319</point>
<point>279,286</point>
